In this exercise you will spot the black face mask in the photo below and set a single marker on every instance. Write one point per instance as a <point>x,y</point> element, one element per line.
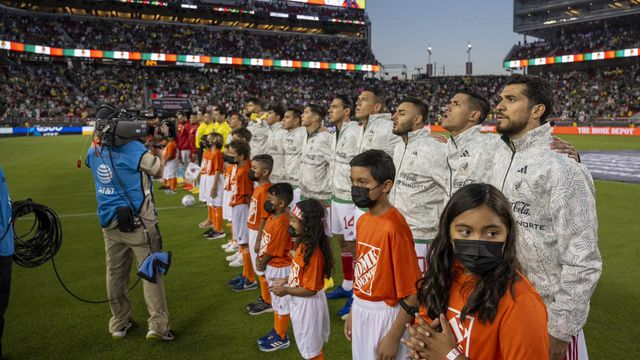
<point>479,256</point>
<point>292,231</point>
<point>218,145</point>
<point>360,196</point>
<point>229,159</point>
<point>268,207</point>
<point>252,175</point>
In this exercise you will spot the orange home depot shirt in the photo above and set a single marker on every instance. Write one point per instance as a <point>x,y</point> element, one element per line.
<point>256,207</point>
<point>276,240</point>
<point>240,184</point>
<point>386,268</point>
<point>519,330</point>
<point>206,162</point>
<point>170,150</point>
<point>310,277</point>
<point>229,171</point>
<point>215,162</point>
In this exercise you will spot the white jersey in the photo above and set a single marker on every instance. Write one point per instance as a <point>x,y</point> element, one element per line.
<point>378,135</point>
<point>553,200</point>
<point>294,142</point>
<point>345,149</point>
<point>259,135</point>
<point>275,148</point>
<point>315,167</point>
<point>420,186</point>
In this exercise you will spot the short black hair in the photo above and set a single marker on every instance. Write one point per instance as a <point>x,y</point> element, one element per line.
<point>379,163</point>
<point>265,160</point>
<point>277,108</point>
<point>221,108</point>
<point>537,90</point>
<point>318,110</point>
<point>241,147</point>
<point>477,102</point>
<point>379,94</point>
<point>255,100</point>
<point>423,109</point>
<point>346,101</point>
<point>242,133</point>
<point>296,111</point>
<point>283,191</point>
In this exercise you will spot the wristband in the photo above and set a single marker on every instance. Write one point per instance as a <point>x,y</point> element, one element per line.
<point>411,310</point>
<point>453,354</point>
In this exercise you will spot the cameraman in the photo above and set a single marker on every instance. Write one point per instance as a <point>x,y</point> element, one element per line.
<point>127,215</point>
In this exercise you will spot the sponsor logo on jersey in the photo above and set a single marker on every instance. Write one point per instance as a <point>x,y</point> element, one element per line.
<point>293,275</point>
<point>462,330</point>
<point>365,268</point>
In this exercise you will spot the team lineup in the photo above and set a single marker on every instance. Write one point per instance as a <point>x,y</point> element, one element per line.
<point>475,246</point>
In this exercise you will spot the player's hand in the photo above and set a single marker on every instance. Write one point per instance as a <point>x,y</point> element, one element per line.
<point>437,343</point>
<point>417,338</point>
<point>347,328</point>
<point>387,348</point>
<point>564,147</point>
<point>280,290</point>
<point>441,138</point>
<point>279,282</point>
<point>557,348</point>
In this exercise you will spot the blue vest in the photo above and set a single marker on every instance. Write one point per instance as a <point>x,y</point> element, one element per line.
<point>6,242</point>
<point>122,187</point>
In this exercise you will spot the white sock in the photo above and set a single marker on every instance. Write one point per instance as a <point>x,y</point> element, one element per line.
<point>347,285</point>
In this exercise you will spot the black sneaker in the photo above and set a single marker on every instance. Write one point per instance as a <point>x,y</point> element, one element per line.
<point>208,233</point>
<point>260,308</point>
<point>216,235</point>
<point>251,305</point>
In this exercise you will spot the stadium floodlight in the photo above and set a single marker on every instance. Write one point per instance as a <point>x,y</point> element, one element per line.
<point>429,51</point>
<point>469,51</point>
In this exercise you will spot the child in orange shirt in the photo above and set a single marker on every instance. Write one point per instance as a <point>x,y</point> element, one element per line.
<point>312,263</point>
<point>274,259</point>
<point>241,190</point>
<point>386,267</point>
<point>205,166</point>
<point>213,187</point>
<point>170,173</point>
<point>474,289</point>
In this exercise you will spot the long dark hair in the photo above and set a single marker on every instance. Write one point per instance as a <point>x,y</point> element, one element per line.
<point>313,235</point>
<point>434,287</point>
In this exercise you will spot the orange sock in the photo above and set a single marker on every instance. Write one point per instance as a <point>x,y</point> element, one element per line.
<point>247,265</point>
<point>210,214</point>
<point>264,289</point>
<point>173,183</point>
<point>217,217</point>
<point>319,356</point>
<point>281,324</point>
<point>164,183</point>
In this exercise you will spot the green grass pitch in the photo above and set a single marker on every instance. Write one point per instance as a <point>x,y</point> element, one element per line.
<point>43,322</point>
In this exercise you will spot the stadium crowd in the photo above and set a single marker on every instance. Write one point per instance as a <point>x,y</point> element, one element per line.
<point>71,94</point>
<point>103,34</point>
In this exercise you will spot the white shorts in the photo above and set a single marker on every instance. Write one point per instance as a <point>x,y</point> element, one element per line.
<point>184,156</point>
<point>370,322</point>
<point>202,195</point>
<point>342,220</point>
<point>421,252</point>
<point>170,169</point>
<point>226,208</point>
<point>217,200</point>
<point>577,349</point>
<point>253,236</point>
<point>357,213</point>
<point>310,322</point>
<point>296,197</point>
<point>280,304</point>
<point>239,214</point>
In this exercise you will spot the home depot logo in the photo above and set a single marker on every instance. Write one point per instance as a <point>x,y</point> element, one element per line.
<point>365,268</point>
<point>293,275</point>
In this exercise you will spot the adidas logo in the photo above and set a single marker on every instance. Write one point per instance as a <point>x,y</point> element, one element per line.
<point>465,153</point>
<point>523,170</point>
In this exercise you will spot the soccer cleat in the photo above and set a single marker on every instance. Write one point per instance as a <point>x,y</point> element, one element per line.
<point>346,308</point>
<point>245,285</point>
<point>338,293</point>
<point>205,224</point>
<point>275,343</point>
<point>216,235</point>
<point>233,256</point>
<point>328,283</point>
<point>260,308</point>
<point>231,249</point>
<point>154,335</point>
<point>235,280</point>
<point>267,337</point>
<point>237,262</point>
<point>195,191</point>
<point>123,331</point>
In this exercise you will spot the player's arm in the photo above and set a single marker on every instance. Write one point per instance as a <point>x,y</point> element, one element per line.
<point>259,237</point>
<point>262,261</point>
<point>575,226</point>
<point>214,188</point>
<point>388,345</point>
<point>293,291</point>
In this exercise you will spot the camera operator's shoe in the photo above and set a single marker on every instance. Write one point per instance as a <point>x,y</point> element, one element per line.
<point>338,293</point>
<point>154,335</point>
<point>123,331</point>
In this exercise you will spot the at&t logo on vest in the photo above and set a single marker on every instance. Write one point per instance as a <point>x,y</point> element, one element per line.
<point>105,176</point>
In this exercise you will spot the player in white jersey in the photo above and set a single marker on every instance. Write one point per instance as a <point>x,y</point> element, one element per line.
<point>315,166</point>
<point>276,142</point>
<point>294,142</point>
<point>419,190</point>
<point>257,125</point>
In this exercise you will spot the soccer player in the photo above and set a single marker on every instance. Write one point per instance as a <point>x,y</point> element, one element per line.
<point>214,186</point>
<point>222,126</point>
<point>294,143</point>
<point>376,126</point>
<point>241,190</point>
<point>386,268</point>
<point>257,125</point>
<point>419,190</point>
<point>276,141</point>
<point>274,259</point>
<point>311,264</point>
<point>553,201</point>
<point>486,307</point>
<point>206,127</point>
<point>183,145</point>
<point>342,207</point>
<point>315,164</point>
